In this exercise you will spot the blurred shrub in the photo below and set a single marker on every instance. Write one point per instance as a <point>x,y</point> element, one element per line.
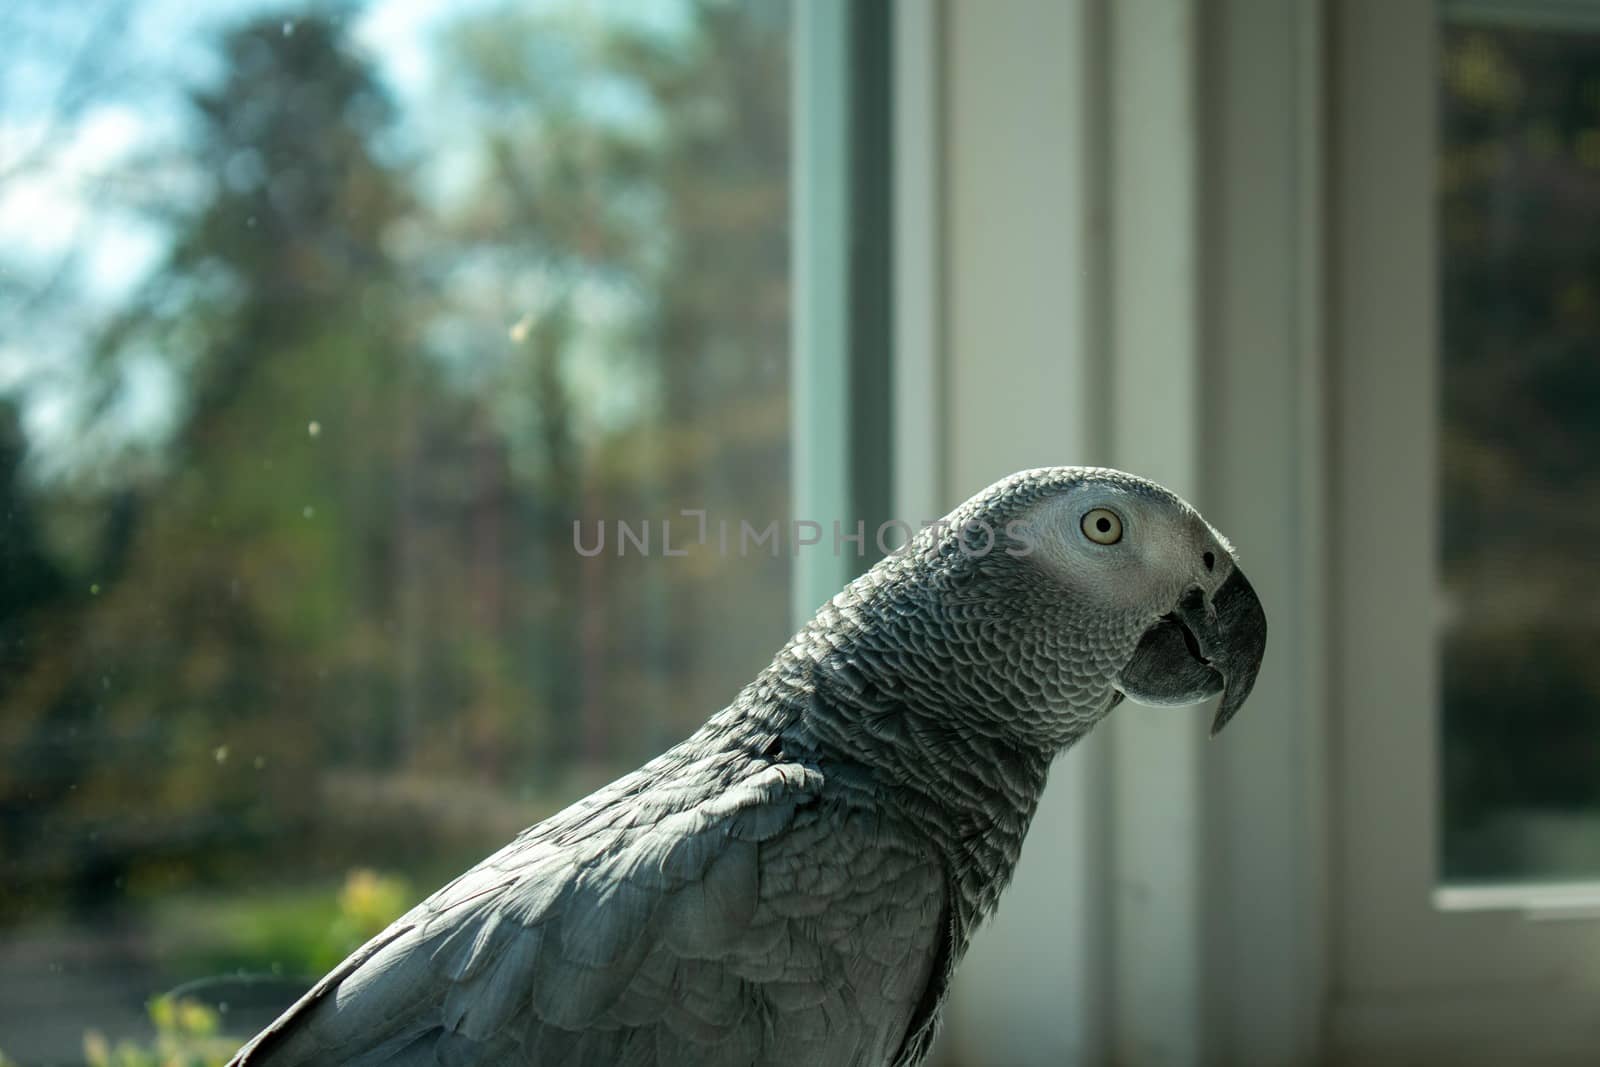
<point>368,902</point>
<point>295,931</point>
<point>298,933</point>
<point>187,1035</point>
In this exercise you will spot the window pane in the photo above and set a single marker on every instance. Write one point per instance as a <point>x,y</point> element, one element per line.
<point>319,328</point>
<point>1519,217</point>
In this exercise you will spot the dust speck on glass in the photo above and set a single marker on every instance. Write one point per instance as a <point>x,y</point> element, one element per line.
<point>1519,536</point>
<point>320,324</point>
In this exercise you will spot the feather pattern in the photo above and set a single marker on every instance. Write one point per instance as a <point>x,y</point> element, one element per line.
<point>793,884</point>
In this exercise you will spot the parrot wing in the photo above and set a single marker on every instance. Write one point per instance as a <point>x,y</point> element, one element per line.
<point>654,922</point>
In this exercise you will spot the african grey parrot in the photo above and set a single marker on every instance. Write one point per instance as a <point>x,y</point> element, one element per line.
<point>797,881</point>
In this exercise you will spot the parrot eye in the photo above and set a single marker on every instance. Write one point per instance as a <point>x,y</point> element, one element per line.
<point>1102,526</point>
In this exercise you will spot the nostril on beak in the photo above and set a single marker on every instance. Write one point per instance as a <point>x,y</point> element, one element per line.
<point>1211,560</point>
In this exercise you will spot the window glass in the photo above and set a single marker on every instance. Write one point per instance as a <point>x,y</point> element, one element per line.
<point>320,326</point>
<point>1519,232</point>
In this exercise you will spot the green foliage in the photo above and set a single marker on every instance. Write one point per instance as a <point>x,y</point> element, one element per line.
<point>295,930</point>
<point>370,901</point>
<point>187,1035</point>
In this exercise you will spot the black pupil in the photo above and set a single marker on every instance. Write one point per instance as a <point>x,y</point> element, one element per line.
<point>1103,524</point>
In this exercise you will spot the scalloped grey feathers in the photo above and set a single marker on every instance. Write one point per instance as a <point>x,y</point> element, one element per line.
<point>793,884</point>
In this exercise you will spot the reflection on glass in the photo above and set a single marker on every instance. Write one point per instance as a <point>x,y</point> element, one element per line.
<point>319,327</point>
<point>1519,202</point>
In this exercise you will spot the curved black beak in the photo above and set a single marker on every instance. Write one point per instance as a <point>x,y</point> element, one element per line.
<point>1202,648</point>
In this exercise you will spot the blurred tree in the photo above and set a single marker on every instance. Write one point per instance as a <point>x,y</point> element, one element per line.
<point>638,176</point>
<point>344,599</point>
<point>242,614</point>
<point>331,608</point>
<point>29,579</point>
<point>1519,201</point>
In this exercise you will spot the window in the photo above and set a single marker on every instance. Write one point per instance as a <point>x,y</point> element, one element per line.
<point>1519,520</point>
<point>1422,966</point>
<point>319,329</point>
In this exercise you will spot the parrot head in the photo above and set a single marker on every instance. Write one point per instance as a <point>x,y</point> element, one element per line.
<point>1154,590</point>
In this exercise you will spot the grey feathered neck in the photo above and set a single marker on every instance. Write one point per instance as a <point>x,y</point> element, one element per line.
<point>942,683</point>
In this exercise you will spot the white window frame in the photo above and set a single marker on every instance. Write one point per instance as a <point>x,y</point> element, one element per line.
<point>1114,257</point>
<point>841,265</point>
<point>1203,247</point>
<point>1410,978</point>
<point>819,363</point>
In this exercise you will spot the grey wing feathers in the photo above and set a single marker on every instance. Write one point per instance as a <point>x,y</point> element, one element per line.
<point>576,943</point>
